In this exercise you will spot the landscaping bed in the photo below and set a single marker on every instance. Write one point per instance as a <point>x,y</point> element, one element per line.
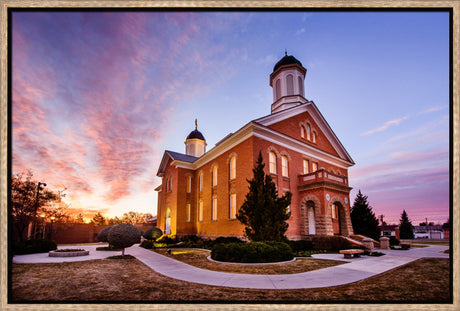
<point>198,258</point>
<point>68,253</point>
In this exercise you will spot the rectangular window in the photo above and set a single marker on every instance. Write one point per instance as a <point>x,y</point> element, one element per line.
<point>189,184</point>
<point>200,211</point>
<point>188,210</point>
<point>214,208</point>
<point>233,206</point>
<point>214,176</point>
<point>314,166</point>
<point>200,181</point>
<point>284,166</point>
<point>305,166</point>
<point>233,168</point>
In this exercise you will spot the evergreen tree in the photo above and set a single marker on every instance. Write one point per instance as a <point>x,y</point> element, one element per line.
<point>363,218</point>
<point>406,230</point>
<point>264,213</point>
<point>98,219</point>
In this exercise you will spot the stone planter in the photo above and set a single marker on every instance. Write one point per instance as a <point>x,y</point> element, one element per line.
<point>68,254</point>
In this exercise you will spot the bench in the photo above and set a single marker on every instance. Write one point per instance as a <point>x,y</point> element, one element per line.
<point>350,253</point>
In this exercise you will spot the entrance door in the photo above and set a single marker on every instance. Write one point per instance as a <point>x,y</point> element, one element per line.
<point>335,219</point>
<point>311,219</point>
<point>168,222</point>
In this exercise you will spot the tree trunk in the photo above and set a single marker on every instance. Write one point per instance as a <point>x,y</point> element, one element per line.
<point>123,252</point>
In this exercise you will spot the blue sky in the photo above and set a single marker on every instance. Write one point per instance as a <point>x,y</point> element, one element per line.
<point>111,91</point>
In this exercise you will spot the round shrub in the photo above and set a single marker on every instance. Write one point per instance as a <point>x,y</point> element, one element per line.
<point>152,233</point>
<point>148,244</point>
<point>253,252</point>
<point>124,235</point>
<point>103,235</point>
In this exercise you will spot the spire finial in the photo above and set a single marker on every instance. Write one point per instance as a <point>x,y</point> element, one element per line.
<point>285,52</point>
<point>196,124</point>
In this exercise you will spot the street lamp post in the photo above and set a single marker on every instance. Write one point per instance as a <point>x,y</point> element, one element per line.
<point>51,228</point>
<point>43,225</point>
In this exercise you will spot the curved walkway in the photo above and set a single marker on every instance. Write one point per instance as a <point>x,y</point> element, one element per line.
<point>355,270</point>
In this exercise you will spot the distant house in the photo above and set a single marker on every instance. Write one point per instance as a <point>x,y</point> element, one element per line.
<point>429,232</point>
<point>388,230</point>
<point>436,232</point>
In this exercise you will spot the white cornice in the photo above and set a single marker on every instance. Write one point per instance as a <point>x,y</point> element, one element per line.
<point>263,132</point>
<point>300,147</point>
<point>317,117</point>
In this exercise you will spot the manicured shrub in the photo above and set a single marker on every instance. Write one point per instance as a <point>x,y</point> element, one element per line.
<point>227,239</point>
<point>124,235</point>
<point>103,235</point>
<point>147,244</point>
<point>252,252</point>
<point>300,246</point>
<point>331,243</point>
<point>152,233</point>
<point>33,246</point>
<point>393,241</point>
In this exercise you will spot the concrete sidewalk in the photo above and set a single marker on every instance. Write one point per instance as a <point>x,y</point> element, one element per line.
<point>354,270</point>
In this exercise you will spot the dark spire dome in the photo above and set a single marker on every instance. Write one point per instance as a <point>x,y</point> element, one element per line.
<point>195,134</point>
<point>286,60</point>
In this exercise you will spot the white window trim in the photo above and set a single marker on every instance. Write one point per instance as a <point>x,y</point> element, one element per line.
<point>284,166</point>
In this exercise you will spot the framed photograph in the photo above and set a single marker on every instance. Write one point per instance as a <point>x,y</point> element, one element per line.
<point>229,155</point>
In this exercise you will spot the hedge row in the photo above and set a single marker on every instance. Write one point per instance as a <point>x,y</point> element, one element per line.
<point>33,246</point>
<point>330,243</point>
<point>252,252</point>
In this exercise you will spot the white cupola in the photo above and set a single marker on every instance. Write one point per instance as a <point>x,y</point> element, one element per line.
<point>287,81</point>
<point>195,144</point>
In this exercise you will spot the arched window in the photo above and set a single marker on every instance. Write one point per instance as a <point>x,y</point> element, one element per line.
<point>284,166</point>
<point>299,80</point>
<point>214,175</point>
<point>308,132</point>
<point>189,184</point>
<point>168,221</point>
<point>277,89</point>
<point>233,167</point>
<point>272,160</point>
<point>314,137</point>
<point>290,84</point>
<point>200,182</point>
<point>302,131</point>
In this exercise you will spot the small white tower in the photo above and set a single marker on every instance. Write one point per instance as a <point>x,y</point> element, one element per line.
<point>287,81</point>
<point>195,144</point>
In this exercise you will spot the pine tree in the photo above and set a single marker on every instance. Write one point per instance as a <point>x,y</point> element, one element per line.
<point>406,230</point>
<point>363,218</point>
<point>263,213</point>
